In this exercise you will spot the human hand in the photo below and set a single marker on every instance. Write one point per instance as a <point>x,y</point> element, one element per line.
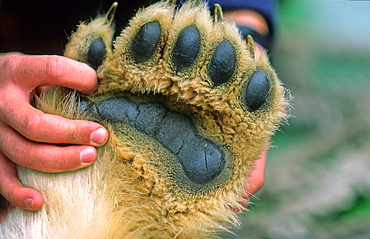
<point>28,135</point>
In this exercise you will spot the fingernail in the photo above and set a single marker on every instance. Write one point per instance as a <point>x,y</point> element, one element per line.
<point>87,155</point>
<point>99,136</point>
<point>29,202</point>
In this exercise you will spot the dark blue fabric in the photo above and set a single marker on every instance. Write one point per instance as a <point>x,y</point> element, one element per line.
<point>266,8</point>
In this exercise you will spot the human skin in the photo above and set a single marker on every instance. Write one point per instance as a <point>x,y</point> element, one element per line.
<point>28,135</point>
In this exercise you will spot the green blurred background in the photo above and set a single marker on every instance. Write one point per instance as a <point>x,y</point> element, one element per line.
<point>318,174</point>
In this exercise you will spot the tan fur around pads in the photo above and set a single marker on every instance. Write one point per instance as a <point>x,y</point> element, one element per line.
<point>132,190</point>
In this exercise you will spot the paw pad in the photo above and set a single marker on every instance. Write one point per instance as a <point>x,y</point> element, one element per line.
<point>223,63</point>
<point>186,48</point>
<point>257,90</point>
<point>96,53</point>
<point>145,42</point>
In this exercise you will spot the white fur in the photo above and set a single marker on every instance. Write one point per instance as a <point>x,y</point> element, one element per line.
<point>81,192</point>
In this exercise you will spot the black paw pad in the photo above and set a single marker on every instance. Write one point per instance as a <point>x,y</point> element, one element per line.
<point>186,48</point>
<point>145,42</point>
<point>96,53</point>
<point>257,90</point>
<point>200,158</point>
<point>223,63</point>
<point>202,161</point>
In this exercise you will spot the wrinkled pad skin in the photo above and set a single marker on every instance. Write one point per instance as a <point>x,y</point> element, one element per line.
<point>223,63</point>
<point>186,48</point>
<point>96,53</point>
<point>145,42</point>
<point>201,159</point>
<point>257,90</point>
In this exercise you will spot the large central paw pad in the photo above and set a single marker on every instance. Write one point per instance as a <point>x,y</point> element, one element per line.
<point>201,159</point>
<point>190,109</point>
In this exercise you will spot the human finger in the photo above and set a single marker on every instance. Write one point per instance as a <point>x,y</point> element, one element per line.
<point>31,71</point>
<point>41,127</point>
<point>44,157</point>
<point>13,190</point>
<point>256,178</point>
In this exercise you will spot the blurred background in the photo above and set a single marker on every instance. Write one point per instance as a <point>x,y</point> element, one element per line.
<point>318,174</point>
